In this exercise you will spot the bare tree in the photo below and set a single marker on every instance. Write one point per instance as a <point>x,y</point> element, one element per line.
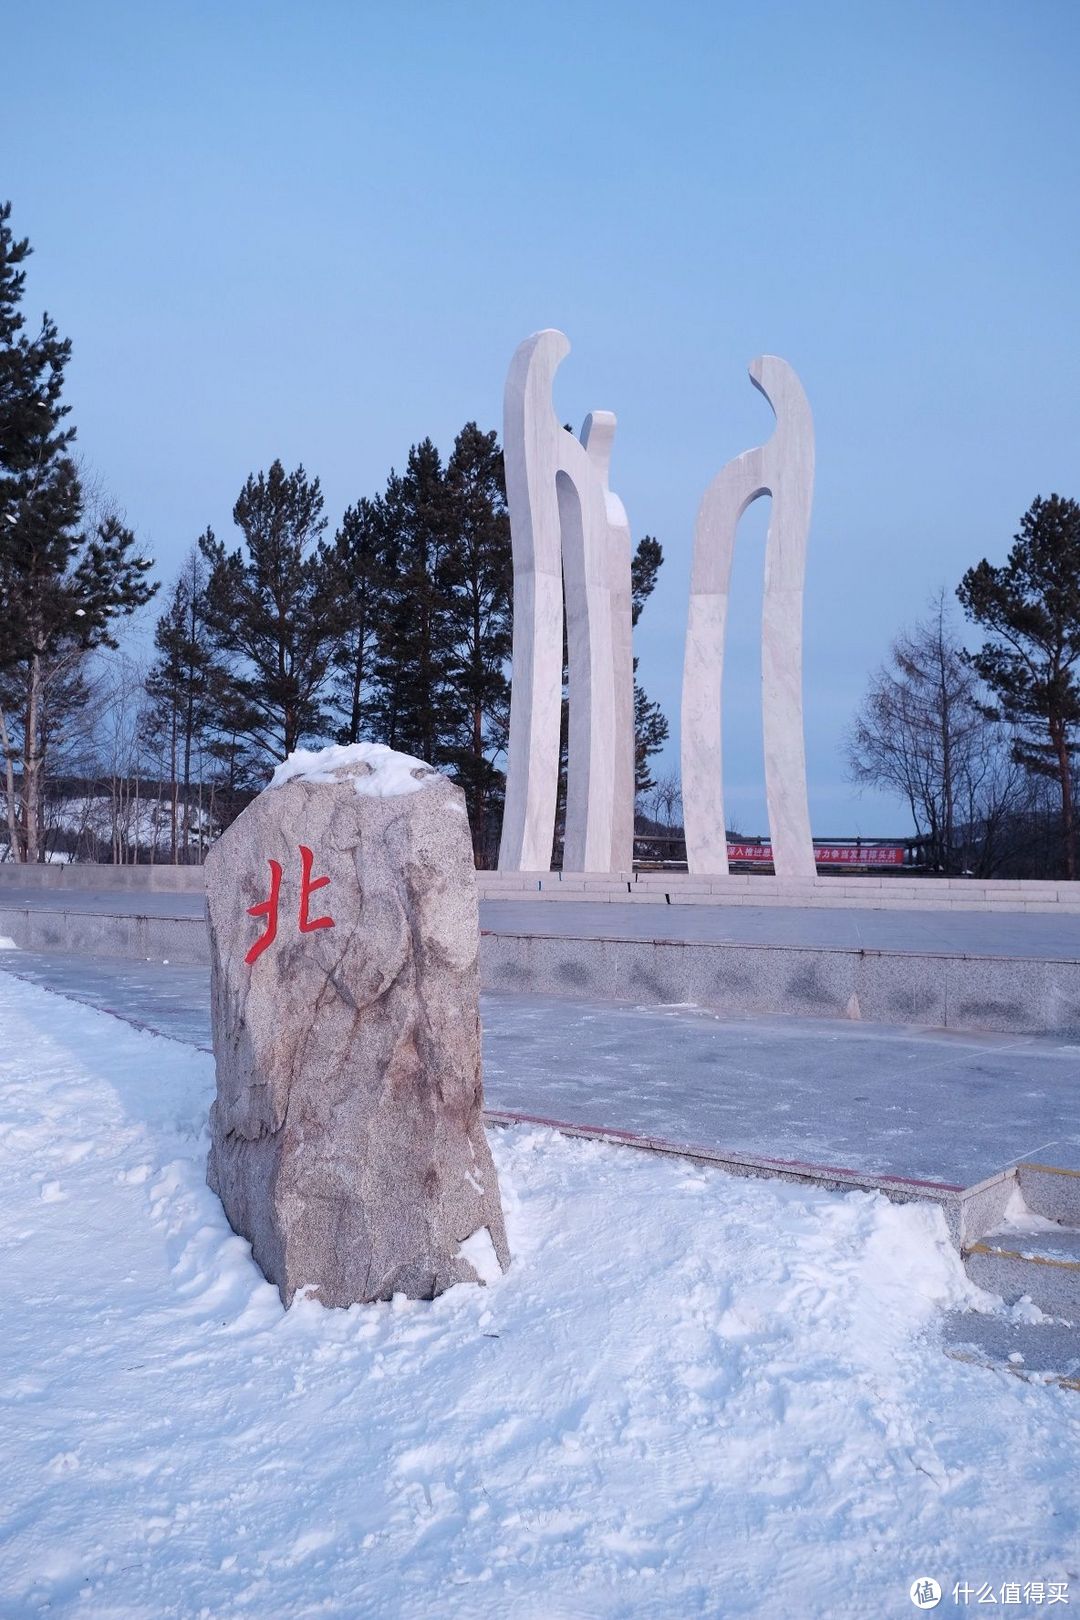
<point>925,729</point>
<point>10,751</point>
<point>120,734</point>
<point>664,802</point>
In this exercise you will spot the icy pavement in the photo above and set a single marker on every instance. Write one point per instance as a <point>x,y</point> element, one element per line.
<point>884,1101</point>
<point>1008,1342</point>
<point>691,1395</point>
<point>160,996</point>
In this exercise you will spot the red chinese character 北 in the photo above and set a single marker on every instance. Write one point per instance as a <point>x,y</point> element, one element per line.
<point>268,908</point>
<point>308,885</point>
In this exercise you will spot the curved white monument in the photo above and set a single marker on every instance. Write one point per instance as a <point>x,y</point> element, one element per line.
<point>566,524</point>
<point>784,469</point>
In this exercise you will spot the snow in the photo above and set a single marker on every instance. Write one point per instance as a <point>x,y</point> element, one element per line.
<point>479,1251</point>
<point>1017,1217</point>
<point>7,944</point>
<point>691,1394</point>
<point>377,772</point>
<point>142,821</point>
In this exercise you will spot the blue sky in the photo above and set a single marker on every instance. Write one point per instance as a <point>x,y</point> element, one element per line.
<point>319,231</point>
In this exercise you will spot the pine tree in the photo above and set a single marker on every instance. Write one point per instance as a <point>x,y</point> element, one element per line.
<point>413,709</point>
<point>60,589</point>
<point>361,586</point>
<point>425,580</point>
<point>1031,606</point>
<point>182,685</point>
<point>480,578</point>
<point>650,724</point>
<point>274,616</point>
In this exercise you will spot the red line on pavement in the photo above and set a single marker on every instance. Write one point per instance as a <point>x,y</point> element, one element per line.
<point>659,1144</point>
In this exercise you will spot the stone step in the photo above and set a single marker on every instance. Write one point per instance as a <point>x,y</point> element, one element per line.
<point>1040,1352</point>
<point>1040,1262</point>
<point>1050,1190</point>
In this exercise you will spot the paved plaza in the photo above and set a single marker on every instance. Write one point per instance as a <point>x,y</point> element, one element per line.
<point>1030,935</point>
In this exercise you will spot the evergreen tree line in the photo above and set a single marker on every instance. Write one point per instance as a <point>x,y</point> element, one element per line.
<point>397,628</point>
<point>69,567</point>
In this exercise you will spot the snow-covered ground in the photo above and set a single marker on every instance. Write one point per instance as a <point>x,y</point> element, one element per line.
<point>691,1395</point>
<point>143,822</point>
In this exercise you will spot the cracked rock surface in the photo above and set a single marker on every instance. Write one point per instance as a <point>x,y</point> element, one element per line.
<point>347,1139</point>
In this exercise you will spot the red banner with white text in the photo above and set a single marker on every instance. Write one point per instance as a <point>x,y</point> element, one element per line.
<point>826,854</point>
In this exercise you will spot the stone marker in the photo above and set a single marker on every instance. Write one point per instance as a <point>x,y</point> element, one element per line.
<point>347,1138</point>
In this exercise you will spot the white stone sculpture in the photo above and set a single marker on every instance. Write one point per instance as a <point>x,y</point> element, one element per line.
<point>784,469</point>
<point>566,524</point>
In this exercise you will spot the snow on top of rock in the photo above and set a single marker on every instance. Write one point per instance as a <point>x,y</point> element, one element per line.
<point>377,772</point>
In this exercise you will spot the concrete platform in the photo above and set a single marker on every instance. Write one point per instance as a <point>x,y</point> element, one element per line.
<point>1018,934</point>
<point>1015,973</point>
<point>90,922</point>
<point>898,891</point>
<point>1043,935</point>
<point>894,890</point>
